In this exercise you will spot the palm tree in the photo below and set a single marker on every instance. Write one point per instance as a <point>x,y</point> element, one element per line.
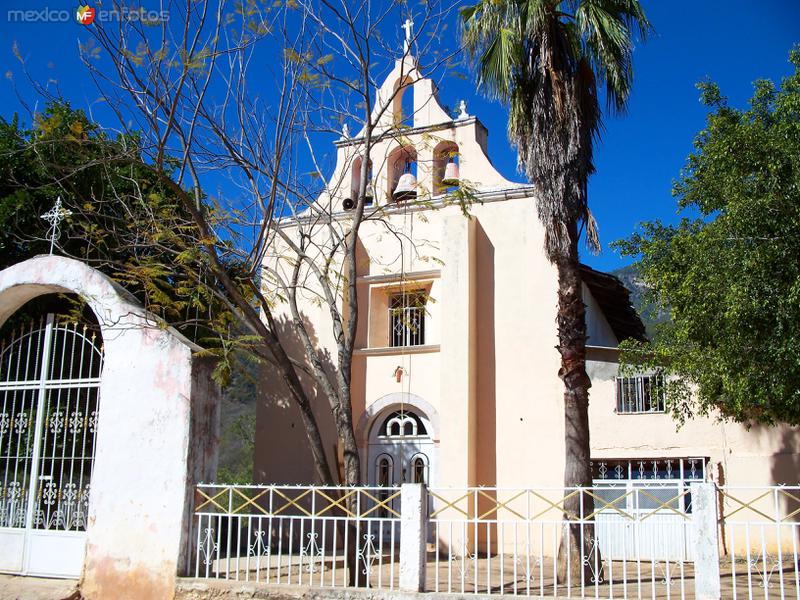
<point>546,59</point>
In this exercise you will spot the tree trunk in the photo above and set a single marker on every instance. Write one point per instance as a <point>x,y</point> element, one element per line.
<point>579,558</point>
<point>352,477</point>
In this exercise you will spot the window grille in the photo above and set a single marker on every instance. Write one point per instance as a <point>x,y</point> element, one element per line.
<point>613,470</point>
<point>661,481</point>
<point>384,470</point>
<point>407,319</point>
<point>643,394</point>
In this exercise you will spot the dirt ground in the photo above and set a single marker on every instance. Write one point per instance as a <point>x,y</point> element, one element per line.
<point>656,580</point>
<point>504,579</point>
<point>13,587</point>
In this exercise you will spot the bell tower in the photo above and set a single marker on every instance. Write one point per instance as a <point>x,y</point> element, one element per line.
<point>421,156</point>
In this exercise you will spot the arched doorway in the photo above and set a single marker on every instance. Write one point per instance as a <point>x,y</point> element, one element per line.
<point>50,371</point>
<point>401,449</point>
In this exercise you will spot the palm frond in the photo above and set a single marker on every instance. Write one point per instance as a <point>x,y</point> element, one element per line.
<point>497,63</point>
<point>606,28</point>
<point>592,233</point>
<point>490,33</point>
<point>547,59</point>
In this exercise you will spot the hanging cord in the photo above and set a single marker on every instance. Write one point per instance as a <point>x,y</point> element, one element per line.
<point>405,358</point>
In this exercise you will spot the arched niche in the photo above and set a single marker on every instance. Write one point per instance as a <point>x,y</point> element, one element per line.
<point>356,173</point>
<point>402,159</point>
<point>403,102</point>
<point>444,153</point>
<point>157,431</point>
<point>401,448</point>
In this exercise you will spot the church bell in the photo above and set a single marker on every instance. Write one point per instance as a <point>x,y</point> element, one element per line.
<point>406,188</point>
<point>451,176</point>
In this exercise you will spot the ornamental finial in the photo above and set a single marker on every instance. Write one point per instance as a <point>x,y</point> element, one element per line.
<point>54,216</point>
<point>462,111</point>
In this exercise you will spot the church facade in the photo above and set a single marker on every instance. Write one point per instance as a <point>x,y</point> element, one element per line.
<point>455,372</point>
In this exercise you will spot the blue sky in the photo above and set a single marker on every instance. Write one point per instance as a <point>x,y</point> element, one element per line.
<point>732,42</point>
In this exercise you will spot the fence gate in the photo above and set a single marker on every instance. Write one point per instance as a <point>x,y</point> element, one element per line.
<point>49,385</point>
<point>649,507</point>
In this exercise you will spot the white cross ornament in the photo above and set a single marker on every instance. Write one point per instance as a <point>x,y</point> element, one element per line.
<point>407,42</point>
<point>54,216</point>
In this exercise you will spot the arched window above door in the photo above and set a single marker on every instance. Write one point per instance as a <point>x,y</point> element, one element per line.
<point>400,448</point>
<point>402,423</point>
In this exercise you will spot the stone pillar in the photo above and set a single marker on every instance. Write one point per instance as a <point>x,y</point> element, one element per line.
<point>413,530</point>
<point>706,549</point>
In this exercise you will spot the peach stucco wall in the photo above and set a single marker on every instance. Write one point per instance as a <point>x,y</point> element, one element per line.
<point>760,455</point>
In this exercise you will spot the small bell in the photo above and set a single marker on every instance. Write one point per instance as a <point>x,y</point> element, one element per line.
<point>451,176</point>
<point>406,188</point>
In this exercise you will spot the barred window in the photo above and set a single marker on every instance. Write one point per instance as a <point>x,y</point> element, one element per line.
<point>642,394</point>
<point>615,470</point>
<point>407,319</point>
<point>646,484</point>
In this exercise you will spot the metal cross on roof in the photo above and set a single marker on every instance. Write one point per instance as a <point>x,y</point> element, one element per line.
<point>54,216</point>
<point>407,26</point>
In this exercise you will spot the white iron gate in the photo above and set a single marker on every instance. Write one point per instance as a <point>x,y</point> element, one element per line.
<point>648,510</point>
<point>49,386</point>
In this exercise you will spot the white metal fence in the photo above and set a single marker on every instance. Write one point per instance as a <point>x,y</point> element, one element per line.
<point>303,535</point>
<point>759,541</point>
<point>659,541</point>
<point>49,384</point>
<point>506,541</point>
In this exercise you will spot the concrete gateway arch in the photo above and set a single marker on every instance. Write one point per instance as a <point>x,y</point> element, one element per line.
<point>155,434</point>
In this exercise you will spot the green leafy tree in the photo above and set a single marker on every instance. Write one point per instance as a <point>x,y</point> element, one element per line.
<point>124,222</point>
<point>546,59</point>
<point>730,279</point>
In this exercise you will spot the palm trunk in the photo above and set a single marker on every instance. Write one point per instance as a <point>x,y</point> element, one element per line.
<point>578,555</point>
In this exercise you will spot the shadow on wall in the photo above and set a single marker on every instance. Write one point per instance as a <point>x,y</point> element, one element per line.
<point>282,457</point>
<point>487,384</point>
<point>786,470</point>
<point>487,409</point>
<point>780,445</point>
<point>786,461</point>
<point>282,453</point>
